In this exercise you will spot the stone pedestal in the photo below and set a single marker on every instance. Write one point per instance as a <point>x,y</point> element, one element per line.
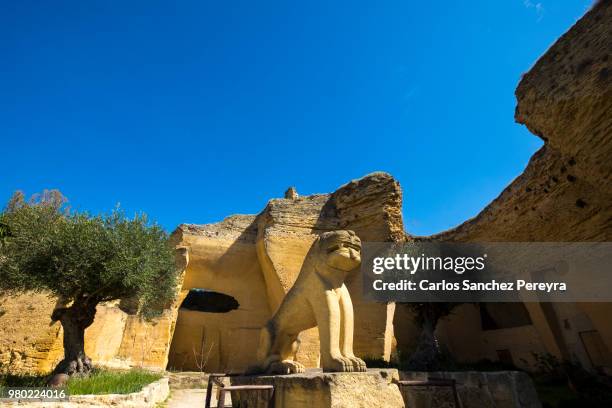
<point>316,389</point>
<point>476,389</point>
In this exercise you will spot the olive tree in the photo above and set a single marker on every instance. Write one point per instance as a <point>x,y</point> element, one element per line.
<point>83,260</point>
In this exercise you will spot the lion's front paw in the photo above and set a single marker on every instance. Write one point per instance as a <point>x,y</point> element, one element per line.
<point>338,364</point>
<point>358,364</point>
<point>286,367</point>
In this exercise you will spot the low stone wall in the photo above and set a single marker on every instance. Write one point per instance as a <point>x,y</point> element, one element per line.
<point>148,397</point>
<point>476,389</point>
<point>181,380</point>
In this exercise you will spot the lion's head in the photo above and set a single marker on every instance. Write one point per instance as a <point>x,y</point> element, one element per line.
<point>340,250</point>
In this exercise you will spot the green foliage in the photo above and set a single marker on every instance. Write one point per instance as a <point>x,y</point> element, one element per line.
<point>99,381</point>
<point>5,231</point>
<point>431,312</point>
<point>566,384</point>
<point>74,255</point>
<point>111,382</point>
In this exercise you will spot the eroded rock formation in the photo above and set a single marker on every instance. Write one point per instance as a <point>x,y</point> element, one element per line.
<point>255,259</point>
<point>258,258</point>
<point>564,194</point>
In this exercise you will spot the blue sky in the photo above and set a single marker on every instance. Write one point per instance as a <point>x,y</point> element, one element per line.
<point>194,110</point>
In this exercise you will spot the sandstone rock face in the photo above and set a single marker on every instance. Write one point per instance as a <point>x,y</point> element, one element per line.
<point>376,388</point>
<point>29,343</point>
<point>371,207</point>
<point>222,258</point>
<point>291,193</point>
<point>254,259</point>
<point>565,193</point>
<point>257,259</point>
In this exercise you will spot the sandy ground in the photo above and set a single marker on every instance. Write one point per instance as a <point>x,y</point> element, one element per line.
<point>191,397</point>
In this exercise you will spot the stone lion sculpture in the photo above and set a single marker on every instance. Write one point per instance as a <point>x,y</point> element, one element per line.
<point>318,298</point>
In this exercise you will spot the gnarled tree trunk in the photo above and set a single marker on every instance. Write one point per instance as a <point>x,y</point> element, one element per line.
<point>427,354</point>
<point>75,319</point>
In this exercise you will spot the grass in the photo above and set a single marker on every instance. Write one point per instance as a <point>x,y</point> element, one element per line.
<point>112,382</point>
<point>100,381</point>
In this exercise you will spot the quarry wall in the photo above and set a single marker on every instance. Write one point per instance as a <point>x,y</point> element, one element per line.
<point>564,194</point>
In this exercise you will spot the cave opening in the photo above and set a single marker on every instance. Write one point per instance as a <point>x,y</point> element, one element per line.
<point>204,300</point>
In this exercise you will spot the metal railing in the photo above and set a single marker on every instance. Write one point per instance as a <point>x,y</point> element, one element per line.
<point>435,382</point>
<point>217,379</point>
